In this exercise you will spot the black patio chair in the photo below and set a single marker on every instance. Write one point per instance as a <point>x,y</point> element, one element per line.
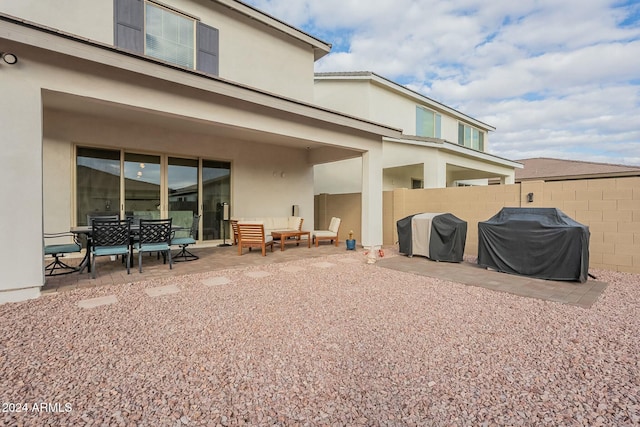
<point>183,242</point>
<point>154,235</point>
<point>102,216</point>
<point>110,237</point>
<point>58,250</point>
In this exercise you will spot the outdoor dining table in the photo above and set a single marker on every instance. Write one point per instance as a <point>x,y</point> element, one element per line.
<point>85,230</point>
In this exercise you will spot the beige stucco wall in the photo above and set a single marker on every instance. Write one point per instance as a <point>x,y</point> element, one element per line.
<point>258,187</point>
<point>381,104</point>
<point>91,19</point>
<point>251,53</point>
<point>341,177</point>
<point>350,97</point>
<point>21,189</point>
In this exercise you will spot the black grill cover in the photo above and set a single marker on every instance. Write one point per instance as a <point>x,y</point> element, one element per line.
<point>538,242</point>
<point>440,236</point>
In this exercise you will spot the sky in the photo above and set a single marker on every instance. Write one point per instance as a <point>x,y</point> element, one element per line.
<point>557,78</point>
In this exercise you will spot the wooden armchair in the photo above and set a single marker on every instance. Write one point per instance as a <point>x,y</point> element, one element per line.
<point>330,234</point>
<point>252,234</point>
<point>234,227</point>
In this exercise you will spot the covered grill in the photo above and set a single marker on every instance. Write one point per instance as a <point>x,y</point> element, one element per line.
<point>438,236</point>
<point>539,242</point>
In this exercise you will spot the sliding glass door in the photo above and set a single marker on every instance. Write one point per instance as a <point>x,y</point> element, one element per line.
<point>142,186</point>
<point>183,190</point>
<point>97,183</point>
<point>216,190</point>
<point>153,186</point>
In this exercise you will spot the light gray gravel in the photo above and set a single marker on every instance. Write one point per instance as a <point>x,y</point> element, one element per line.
<point>325,341</point>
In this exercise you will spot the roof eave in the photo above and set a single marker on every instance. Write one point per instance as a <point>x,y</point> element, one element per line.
<point>320,48</point>
<point>457,149</point>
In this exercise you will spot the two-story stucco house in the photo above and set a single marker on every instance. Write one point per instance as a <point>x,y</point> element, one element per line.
<point>165,106</point>
<point>440,147</point>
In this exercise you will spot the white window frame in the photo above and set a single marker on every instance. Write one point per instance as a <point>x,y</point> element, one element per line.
<point>470,137</point>
<point>167,9</point>
<point>436,124</point>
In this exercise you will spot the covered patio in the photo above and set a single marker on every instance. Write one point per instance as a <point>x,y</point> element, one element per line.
<point>90,122</point>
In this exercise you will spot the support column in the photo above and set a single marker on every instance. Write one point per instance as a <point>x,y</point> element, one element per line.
<point>372,197</point>
<point>509,179</point>
<point>21,253</point>
<point>435,172</point>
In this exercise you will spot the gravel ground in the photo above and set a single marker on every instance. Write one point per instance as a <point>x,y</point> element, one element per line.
<point>322,342</point>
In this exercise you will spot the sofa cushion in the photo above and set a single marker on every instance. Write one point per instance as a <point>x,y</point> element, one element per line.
<point>323,233</point>
<point>335,225</point>
<point>291,223</point>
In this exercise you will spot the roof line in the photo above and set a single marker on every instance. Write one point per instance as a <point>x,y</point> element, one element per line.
<point>452,146</point>
<point>251,12</point>
<point>581,161</point>
<point>373,76</point>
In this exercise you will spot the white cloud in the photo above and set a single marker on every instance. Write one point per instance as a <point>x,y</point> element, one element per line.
<point>556,78</point>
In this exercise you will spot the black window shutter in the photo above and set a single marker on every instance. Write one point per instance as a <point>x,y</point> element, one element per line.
<point>129,24</point>
<point>207,40</point>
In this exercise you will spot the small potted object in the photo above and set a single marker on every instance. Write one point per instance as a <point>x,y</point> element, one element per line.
<point>351,242</point>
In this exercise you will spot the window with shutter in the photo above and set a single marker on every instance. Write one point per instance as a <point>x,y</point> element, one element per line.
<point>207,59</point>
<point>129,25</point>
<point>146,27</point>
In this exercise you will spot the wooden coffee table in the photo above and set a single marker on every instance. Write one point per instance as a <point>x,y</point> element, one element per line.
<point>285,235</point>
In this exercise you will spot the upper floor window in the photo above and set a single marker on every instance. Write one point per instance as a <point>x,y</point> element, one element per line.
<point>470,137</point>
<point>169,36</point>
<point>148,28</point>
<point>428,123</point>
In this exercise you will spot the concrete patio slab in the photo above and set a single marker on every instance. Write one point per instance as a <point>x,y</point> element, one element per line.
<point>323,264</point>
<point>216,281</point>
<point>351,260</point>
<point>162,290</point>
<point>292,269</point>
<point>257,274</point>
<point>571,293</point>
<point>97,302</point>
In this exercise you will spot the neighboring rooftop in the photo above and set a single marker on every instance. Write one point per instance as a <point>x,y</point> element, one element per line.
<point>548,169</point>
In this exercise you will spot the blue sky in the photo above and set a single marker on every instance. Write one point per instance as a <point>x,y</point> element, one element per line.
<point>556,78</point>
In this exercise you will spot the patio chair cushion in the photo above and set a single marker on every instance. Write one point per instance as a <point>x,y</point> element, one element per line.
<point>151,247</point>
<point>183,241</point>
<point>330,234</point>
<point>334,226</point>
<point>323,233</point>
<point>110,250</point>
<point>62,248</point>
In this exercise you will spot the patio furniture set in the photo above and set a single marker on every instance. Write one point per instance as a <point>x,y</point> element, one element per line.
<point>262,232</point>
<point>111,236</point>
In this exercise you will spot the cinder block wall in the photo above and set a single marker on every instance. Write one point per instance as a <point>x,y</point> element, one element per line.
<point>347,207</point>
<point>610,207</point>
